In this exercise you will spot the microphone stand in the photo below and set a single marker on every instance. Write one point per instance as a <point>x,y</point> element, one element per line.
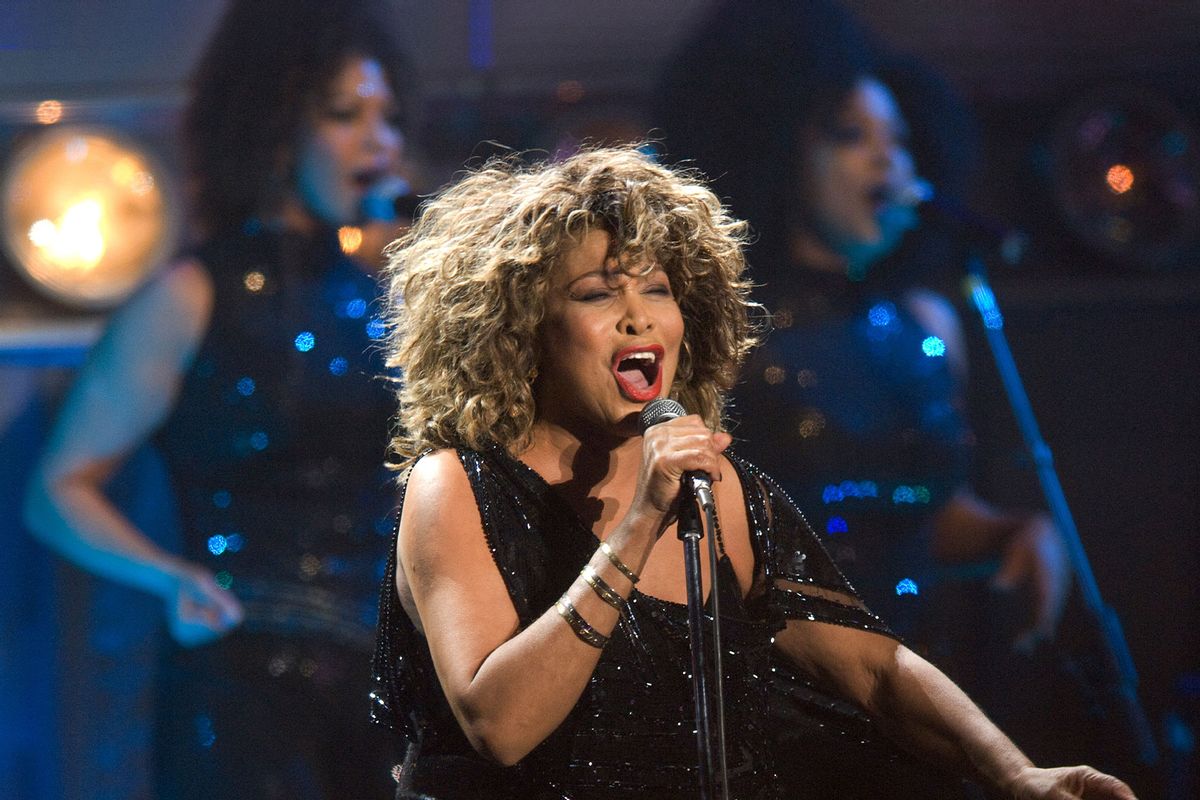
<point>1119,660</point>
<point>713,771</point>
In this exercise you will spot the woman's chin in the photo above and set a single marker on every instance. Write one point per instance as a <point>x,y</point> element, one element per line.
<point>334,212</point>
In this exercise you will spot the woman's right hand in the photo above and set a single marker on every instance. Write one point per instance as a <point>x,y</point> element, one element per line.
<point>123,393</point>
<point>1068,783</point>
<point>199,610</point>
<point>670,450</point>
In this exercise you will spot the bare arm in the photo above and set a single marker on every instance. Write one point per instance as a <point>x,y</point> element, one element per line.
<point>967,528</point>
<point>927,713</point>
<point>509,687</point>
<point>1031,550</point>
<point>121,395</point>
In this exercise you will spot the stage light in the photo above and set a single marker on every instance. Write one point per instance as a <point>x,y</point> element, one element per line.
<point>87,214</point>
<point>1120,178</point>
<point>1145,212</point>
<point>350,239</point>
<point>811,425</point>
<point>49,112</point>
<point>254,281</point>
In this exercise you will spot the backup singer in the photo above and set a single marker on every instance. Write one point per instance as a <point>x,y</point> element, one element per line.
<point>857,401</point>
<point>249,364</point>
<point>532,635</point>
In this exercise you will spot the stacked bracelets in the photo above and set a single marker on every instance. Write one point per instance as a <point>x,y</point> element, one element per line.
<point>618,563</point>
<point>567,611</point>
<point>584,631</point>
<point>601,587</point>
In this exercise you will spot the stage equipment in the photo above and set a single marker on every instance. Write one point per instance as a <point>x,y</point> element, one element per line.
<point>87,215</point>
<point>696,495</point>
<point>1125,171</point>
<point>1120,677</point>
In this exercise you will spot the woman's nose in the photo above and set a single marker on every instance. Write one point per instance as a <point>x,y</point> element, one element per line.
<point>884,151</point>
<point>636,317</point>
<point>382,135</point>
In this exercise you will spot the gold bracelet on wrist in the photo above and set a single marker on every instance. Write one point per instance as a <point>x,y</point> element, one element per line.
<point>618,563</point>
<point>601,588</point>
<point>586,633</point>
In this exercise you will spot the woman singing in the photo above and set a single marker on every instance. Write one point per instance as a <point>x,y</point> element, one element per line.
<point>249,364</point>
<point>533,631</point>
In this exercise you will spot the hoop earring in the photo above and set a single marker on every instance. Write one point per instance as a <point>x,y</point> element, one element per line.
<point>685,362</point>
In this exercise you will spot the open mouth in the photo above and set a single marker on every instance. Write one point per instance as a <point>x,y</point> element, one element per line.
<point>879,197</point>
<point>365,179</point>
<point>638,371</point>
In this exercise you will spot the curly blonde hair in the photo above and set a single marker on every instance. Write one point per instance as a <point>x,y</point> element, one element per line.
<point>467,288</point>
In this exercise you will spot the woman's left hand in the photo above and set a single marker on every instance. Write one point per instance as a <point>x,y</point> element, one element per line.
<point>1035,559</point>
<point>1068,783</point>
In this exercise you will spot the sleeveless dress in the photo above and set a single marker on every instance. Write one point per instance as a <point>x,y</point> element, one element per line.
<point>851,405</point>
<point>275,450</point>
<point>631,733</point>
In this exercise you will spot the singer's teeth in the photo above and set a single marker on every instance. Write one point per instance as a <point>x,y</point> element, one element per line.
<point>644,362</point>
<point>639,370</point>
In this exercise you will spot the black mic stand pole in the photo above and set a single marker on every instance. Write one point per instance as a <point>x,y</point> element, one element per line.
<point>712,770</point>
<point>1109,626</point>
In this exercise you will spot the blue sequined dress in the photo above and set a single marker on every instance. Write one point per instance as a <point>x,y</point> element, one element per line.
<point>275,448</point>
<point>851,404</point>
<point>630,735</point>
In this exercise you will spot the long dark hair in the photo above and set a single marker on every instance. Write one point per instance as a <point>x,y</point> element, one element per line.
<point>757,75</point>
<point>261,76</point>
<point>741,91</point>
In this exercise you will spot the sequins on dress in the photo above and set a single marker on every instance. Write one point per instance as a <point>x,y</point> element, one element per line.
<point>631,734</point>
<point>851,405</point>
<point>275,448</point>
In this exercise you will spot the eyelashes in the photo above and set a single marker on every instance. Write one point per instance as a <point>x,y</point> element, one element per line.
<point>594,295</point>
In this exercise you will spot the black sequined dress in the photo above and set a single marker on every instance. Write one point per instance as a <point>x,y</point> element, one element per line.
<point>631,732</point>
<point>275,448</point>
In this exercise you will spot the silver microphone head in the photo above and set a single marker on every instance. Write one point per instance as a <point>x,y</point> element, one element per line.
<point>660,410</point>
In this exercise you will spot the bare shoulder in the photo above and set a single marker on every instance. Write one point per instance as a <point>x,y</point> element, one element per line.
<point>188,277</point>
<point>171,311</point>
<point>185,289</point>
<point>132,376</point>
<point>439,508</point>
<point>446,573</point>
<point>437,481</point>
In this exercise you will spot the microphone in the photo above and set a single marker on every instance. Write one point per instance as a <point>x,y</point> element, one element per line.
<point>665,409</point>
<point>1011,242</point>
<point>389,200</point>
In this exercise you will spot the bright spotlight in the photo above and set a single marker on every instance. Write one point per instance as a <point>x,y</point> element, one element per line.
<point>86,215</point>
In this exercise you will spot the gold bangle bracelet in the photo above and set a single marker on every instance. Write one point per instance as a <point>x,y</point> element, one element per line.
<point>618,563</point>
<point>601,588</point>
<point>586,633</point>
